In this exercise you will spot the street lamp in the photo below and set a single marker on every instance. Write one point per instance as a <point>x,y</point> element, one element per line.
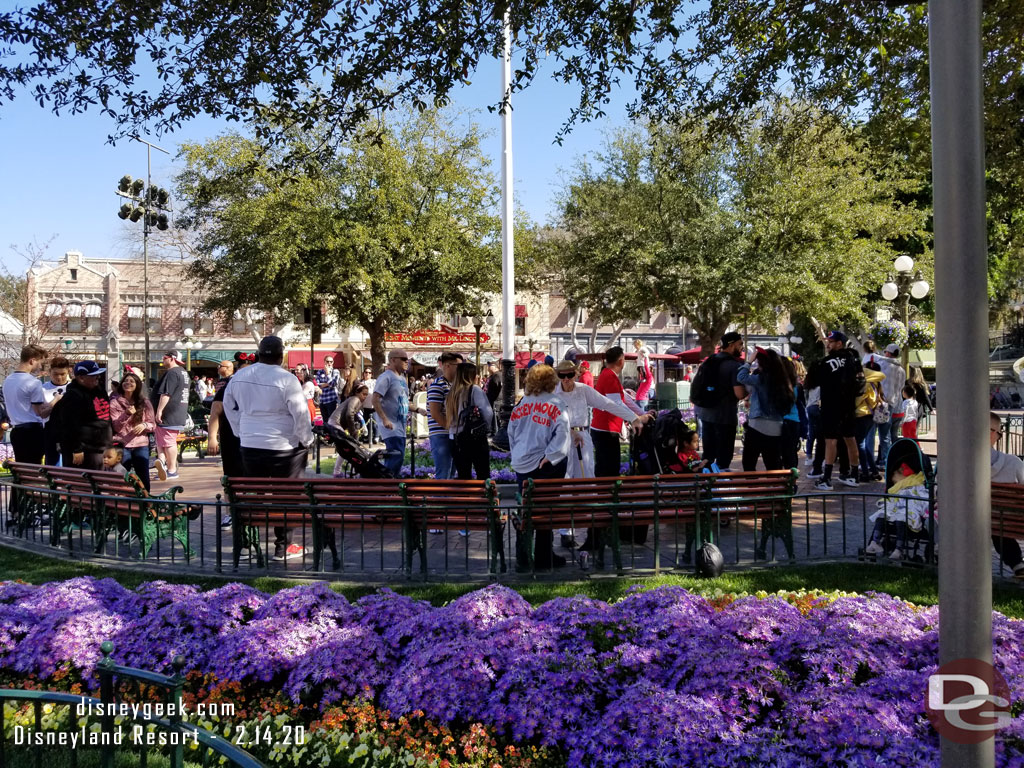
<point>150,204</point>
<point>188,344</point>
<point>478,323</point>
<point>905,285</point>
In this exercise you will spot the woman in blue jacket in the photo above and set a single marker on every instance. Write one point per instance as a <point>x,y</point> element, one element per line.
<point>771,399</point>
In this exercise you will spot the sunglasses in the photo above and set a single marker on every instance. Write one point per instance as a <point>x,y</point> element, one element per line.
<point>570,375</point>
<point>404,359</point>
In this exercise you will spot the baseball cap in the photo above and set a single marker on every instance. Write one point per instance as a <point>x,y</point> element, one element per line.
<point>730,338</point>
<point>837,336</point>
<point>271,346</point>
<point>530,364</point>
<point>549,360</point>
<point>893,349</point>
<point>173,353</point>
<point>88,368</point>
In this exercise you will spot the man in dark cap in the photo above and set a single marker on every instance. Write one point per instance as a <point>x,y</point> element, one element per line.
<point>715,405</point>
<point>84,430</point>
<point>266,409</point>
<point>839,375</point>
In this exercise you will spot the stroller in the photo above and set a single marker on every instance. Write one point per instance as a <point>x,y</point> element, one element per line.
<point>904,524</point>
<point>651,452</point>
<point>364,463</point>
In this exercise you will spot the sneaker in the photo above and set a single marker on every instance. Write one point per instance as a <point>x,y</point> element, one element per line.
<point>161,470</point>
<point>874,548</point>
<point>464,532</point>
<point>435,531</point>
<point>808,462</point>
<point>226,522</point>
<point>896,554</point>
<point>286,553</point>
<point>823,485</point>
<point>812,475</point>
<point>171,476</point>
<point>848,481</point>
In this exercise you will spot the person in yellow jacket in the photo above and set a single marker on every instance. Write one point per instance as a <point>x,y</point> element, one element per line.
<point>869,399</point>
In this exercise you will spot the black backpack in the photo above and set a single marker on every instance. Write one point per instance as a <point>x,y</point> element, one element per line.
<point>704,389</point>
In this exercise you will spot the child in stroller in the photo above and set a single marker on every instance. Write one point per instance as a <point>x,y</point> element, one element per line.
<point>902,524</point>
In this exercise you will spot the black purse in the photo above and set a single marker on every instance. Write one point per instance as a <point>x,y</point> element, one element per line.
<point>473,424</point>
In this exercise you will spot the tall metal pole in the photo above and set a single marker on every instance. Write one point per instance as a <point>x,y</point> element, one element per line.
<point>508,288</point>
<point>905,319</point>
<point>145,247</point>
<point>961,302</point>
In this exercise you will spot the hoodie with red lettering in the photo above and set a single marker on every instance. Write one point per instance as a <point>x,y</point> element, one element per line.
<point>538,429</point>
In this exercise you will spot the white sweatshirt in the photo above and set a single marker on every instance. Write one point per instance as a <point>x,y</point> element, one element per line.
<point>266,408</point>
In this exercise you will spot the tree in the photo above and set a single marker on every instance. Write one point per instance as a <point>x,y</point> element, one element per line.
<point>396,224</point>
<point>787,214</point>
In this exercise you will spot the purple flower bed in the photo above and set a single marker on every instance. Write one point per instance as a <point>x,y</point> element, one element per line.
<point>661,678</point>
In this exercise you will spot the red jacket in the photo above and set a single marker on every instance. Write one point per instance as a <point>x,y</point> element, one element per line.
<point>608,384</point>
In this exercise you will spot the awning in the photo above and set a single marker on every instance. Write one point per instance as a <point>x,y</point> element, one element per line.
<point>154,312</point>
<point>216,355</point>
<point>925,358</point>
<point>296,356</point>
<point>134,312</point>
<point>521,310</point>
<point>53,310</point>
<point>523,358</point>
<point>429,359</point>
<point>188,312</point>
<point>93,310</point>
<point>73,310</point>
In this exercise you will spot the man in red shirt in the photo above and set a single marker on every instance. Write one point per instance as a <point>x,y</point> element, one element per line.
<point>604,431</point>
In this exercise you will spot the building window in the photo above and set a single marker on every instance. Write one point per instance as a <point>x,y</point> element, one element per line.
<point>135,319</point>
<point>581,316</point>
<point>188,318</point>
<point>237,323</point>
<point>206,323</point>
<point>520,319</point>
<point>74,275</point>
<point>73,312</point>
<point>675,318</point>
<point>645,317</point>
<point>93,323</point>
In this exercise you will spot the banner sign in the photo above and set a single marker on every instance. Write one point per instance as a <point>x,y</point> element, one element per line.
<point>445,337</point>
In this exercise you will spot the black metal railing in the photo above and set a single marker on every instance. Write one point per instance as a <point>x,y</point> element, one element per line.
<point>122,729</point>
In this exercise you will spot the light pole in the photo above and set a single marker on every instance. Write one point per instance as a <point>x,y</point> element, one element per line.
<point>478,323</point>
<point>150,204</point>
<point>188,344</point>
<point>905,285</point>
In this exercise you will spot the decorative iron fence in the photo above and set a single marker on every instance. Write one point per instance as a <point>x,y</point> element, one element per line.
<point>39,725</point>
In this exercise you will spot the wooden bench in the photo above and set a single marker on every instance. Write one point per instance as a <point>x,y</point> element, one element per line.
<point>105,501</point>
<point>696,500</point>
<point>330,504</point>
<point>33,502</point>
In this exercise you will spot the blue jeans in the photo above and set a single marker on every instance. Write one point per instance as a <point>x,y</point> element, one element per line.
<point>886,437</point>
<point>866,428</point>
<point>441,451</point>
<point>813,429</point>
<point>138,459</point>
<point>395,454</point>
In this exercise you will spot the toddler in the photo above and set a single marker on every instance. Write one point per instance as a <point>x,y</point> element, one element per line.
<point>688,458</point>
<point>911,408</point>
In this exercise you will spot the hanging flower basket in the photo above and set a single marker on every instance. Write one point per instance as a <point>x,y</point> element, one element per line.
<point>889,332</point>
<point>922,334</point>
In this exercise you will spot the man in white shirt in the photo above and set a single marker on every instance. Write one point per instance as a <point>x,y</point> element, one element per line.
<point>267,410</point>
<point>892,391</point>
<point>27,407</point>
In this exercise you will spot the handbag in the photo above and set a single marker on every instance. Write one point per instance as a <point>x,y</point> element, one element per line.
<point>473,424</point>
<point>882,412</point>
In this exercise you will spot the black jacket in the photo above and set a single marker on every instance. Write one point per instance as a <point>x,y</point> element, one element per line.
<point>83,420</point>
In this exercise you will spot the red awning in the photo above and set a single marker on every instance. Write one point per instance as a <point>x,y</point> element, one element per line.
<point>296,356</point>
<point>691,356</point>
<point>523,358</point>
<point>521,310</point>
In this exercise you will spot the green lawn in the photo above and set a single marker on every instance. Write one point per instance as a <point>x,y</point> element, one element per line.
<point>916,585</point>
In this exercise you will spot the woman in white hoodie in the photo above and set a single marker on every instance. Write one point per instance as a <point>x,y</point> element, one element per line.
<point>538,433</point>
<point>1006,469</point>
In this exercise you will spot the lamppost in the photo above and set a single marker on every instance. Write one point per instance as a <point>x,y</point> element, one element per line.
<point>905,285</point>
<point>150,204</point>
<point>188,344</point>
<point>478,323</point>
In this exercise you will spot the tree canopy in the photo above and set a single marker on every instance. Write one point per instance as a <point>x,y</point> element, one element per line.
<point>398,224</point>
<point>789,213</point>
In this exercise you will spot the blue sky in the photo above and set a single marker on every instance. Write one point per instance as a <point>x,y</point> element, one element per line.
<point>60,173</point>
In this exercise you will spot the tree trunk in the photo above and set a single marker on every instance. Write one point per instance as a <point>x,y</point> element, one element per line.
<point>574,324</point>
<point>378,355</point>
<point>592,344</point>
<point>616,332</point>
<point>709,335</point>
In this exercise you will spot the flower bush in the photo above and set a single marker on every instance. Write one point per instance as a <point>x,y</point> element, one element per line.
<point>662,677</point>
<point>921,334</point>
<point>889,332</point>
